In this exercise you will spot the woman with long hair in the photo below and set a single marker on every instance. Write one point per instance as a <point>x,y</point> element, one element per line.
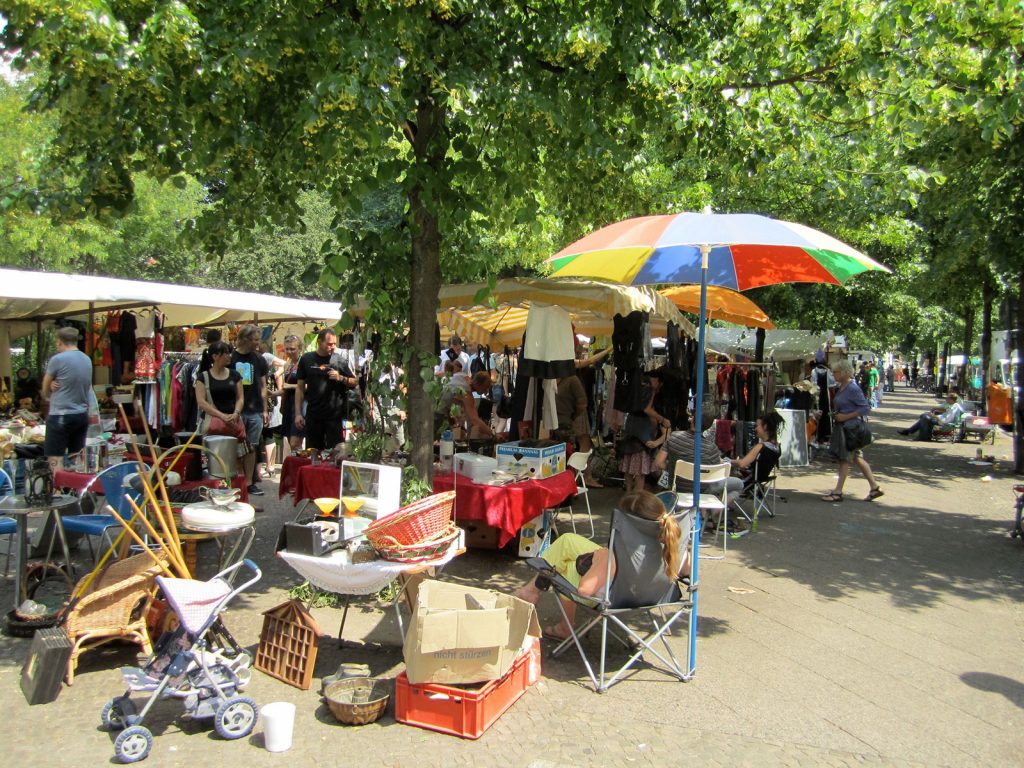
<point>584,564</point>
<point>293,434</point>
<point>219,390</point>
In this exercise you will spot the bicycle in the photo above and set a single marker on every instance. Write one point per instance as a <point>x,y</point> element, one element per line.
<point>925,384</point>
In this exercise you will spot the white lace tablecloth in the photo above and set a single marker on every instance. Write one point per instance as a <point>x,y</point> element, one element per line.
<point>334,573</point>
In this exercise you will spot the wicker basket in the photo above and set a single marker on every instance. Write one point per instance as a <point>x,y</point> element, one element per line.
<point>414,523</point>
<point>389,549</point>
<point>339,697</point>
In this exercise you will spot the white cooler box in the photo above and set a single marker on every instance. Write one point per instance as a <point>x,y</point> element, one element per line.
<point>474,466</point>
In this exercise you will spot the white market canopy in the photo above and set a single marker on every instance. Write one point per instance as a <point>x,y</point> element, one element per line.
<point>500,318</point>
<point>31,296</point>
<point>780,346</point>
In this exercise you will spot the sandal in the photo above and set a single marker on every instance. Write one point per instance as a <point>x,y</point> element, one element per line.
<point>874,494</point>
<point>833,497</point>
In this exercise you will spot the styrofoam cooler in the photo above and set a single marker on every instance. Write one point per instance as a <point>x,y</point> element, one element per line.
<point>474,466</point>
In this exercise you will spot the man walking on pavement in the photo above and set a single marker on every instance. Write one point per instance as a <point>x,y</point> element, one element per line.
<point>66,384</point>
<point>247,360</point>
<point>323,378</point>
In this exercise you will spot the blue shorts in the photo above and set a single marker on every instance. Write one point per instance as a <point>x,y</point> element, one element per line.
<point>65,433</point>
<point>253,427</point>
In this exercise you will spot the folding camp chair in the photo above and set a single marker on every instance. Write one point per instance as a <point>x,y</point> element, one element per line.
<point>760,486</point>
<point>709,502</point>
<point>639,589</point>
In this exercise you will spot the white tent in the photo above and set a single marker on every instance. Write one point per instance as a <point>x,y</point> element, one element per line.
<point>48,295</point>
<point>27,298</point>
<point>779,346</point>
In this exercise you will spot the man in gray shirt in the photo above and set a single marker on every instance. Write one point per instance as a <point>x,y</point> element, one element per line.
<point>66,384</point>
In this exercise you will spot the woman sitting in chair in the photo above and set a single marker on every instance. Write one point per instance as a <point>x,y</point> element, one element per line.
<point>584,564</point>
<point>766,451</point>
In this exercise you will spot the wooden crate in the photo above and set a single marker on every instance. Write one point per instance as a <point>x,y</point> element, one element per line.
<point>288,644</point>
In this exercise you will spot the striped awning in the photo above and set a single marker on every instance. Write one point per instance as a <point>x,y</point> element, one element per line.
<point>498,317</point>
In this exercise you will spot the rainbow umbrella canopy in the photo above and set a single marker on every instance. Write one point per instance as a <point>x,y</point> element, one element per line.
<point>733,250</point>
<point>747,251</point>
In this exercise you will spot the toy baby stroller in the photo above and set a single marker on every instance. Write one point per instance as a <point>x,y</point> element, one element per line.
<point>198,662</point>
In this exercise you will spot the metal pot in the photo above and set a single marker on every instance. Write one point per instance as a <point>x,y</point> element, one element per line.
<point>95,456</point>
<point>226,448</point>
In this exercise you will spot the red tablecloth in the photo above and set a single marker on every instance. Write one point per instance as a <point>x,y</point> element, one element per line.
<point>290,473</point>
<point>323,481</point>
<point>506,507</point>
<point>77,481</point>
<point>187,463</point>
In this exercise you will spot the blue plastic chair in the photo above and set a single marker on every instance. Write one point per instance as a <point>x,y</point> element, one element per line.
<point>8,526</point>
<point>112,482</point>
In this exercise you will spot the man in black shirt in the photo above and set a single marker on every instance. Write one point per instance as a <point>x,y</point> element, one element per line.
<point>247,360</point>
<point>323,378</point>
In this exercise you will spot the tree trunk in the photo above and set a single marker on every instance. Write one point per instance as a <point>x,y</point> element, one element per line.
<point>1018,400</point>
<point>962,380</point>
<point>944,368</point>
<point>988,295</point>
<point>425,280</point>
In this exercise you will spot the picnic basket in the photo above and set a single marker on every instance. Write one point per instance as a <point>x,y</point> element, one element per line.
<point>421,521</point>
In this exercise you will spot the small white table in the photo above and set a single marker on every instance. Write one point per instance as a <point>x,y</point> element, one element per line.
<point>334,572</point>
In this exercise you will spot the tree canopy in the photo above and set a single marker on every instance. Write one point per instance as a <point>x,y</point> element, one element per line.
<point>457,137</point>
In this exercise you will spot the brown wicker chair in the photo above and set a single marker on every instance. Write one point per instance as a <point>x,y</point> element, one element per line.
<point>114,607</point>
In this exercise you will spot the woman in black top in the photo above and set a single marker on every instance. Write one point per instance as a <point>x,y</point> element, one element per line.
<point>219,390</point>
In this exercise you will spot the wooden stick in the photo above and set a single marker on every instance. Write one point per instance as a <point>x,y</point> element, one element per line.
<point>141,543</point>
<point>174,558</point>
<point>168,538</point>
<point>169,523</point>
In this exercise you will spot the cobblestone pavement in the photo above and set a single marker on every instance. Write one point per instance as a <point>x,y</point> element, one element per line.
<point>885,633</point>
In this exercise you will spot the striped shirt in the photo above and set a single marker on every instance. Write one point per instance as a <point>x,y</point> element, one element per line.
<point>680,445</point>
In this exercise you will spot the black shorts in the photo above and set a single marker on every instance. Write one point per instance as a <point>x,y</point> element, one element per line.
<point>65,433</point>
<point>322,434</point>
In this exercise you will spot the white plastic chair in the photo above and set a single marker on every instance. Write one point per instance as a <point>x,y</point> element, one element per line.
<point>709,502</point>
<point>578,463</point>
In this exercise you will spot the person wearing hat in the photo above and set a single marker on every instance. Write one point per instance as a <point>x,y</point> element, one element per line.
<point>927,422</point>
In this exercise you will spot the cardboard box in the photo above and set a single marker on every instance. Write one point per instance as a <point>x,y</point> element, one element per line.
<point>480,535</point>
<point>540,462</point>
<point>535,535</point>
<point>474,466</point>
<point>460,635</point>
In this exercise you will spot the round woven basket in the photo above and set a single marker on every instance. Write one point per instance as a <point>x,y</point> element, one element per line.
<point>340,694</point>
<point>389,549</point>
<point>414,523</point>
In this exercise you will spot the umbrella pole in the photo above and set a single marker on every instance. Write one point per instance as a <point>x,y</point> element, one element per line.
<point>698,404</point>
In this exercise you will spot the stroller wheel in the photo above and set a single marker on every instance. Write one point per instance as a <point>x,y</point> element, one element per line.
<point>133,744</point>
<point>116,713</point>
<point>236,717</point>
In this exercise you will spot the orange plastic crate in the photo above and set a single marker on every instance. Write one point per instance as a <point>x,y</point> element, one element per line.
<point>465,712</point>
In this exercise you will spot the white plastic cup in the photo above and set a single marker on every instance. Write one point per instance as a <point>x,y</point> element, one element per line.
<point>278,724</point>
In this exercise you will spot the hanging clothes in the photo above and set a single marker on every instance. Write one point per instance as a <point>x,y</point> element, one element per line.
<point>548,350</point>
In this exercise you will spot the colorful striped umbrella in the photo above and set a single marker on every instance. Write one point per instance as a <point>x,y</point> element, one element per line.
<point>747,251</point>
<point>734,250</point>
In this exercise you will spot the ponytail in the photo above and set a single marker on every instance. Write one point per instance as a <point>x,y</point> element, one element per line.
<point>646,505</point>
<point>668,535</point>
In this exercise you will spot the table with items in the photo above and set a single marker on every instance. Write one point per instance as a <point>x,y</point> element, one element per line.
<point>506,507</point>
<point>78,481</point>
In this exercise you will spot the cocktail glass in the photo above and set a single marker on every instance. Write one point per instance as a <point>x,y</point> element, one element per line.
<point>326,505</point>
<point>352,504</point>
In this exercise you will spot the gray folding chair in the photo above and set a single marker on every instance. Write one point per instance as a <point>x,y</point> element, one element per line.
<point>639,591</point>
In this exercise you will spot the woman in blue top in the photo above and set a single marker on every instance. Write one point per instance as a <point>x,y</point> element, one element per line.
<point>849,404</point>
